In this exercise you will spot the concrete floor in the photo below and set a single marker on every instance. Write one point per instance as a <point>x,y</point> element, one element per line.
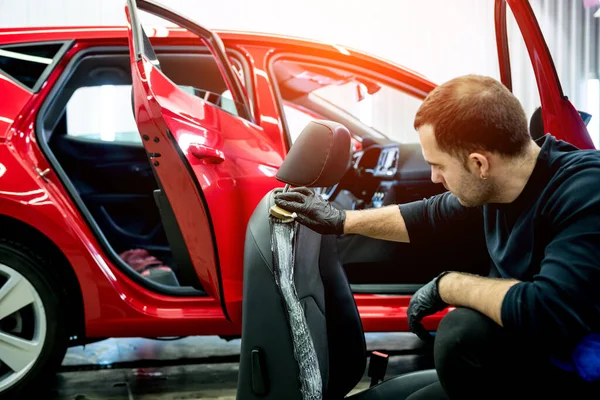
<point>188,368</point>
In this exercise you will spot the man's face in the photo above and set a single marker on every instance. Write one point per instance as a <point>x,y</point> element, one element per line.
<point>464,182</point>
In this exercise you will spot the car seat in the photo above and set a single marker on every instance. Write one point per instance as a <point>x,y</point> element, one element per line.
<point>310,344</point>
<point>536,124</point>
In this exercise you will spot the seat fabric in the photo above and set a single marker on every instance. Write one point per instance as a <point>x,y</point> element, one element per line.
<point>330,311</point>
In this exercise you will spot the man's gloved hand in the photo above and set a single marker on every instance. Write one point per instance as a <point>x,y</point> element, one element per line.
<point>312,210</point>
<point>426,301</point>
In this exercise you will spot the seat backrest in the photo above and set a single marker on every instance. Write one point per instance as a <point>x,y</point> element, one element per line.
<point>536,124</point>
<point>278,360</point>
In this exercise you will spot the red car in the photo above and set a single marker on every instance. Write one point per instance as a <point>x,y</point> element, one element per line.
<point>127,177</point>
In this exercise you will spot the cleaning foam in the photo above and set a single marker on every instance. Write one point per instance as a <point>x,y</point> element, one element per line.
<point>283,240</point>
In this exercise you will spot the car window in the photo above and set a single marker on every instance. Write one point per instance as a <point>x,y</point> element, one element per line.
<point>222,100</point>
<point>211,82</point>
<point>28,63</point>
<point>104,112</point>
<point>296,120</point>
<point>387,110</point>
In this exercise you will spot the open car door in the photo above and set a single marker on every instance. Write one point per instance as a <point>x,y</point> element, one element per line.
<point>559,116</point>
<point>187,140</point>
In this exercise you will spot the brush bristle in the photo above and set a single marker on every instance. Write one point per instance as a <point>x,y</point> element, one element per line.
<point>281,214</point>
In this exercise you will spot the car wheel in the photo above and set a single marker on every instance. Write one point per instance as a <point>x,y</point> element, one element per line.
<point>33,335</point>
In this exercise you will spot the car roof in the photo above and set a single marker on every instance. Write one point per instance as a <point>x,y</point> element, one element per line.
<point>43,33</point>
<point>60,33</point>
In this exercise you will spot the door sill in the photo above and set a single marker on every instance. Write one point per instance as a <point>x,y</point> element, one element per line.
<point>391,289</point>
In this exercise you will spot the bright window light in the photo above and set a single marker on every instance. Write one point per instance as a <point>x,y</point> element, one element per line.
<point>593,105</point>
<point>296,121</point>
<point>25,57</point>
<point>107,130</point>
<point>365,108</point>
<point>102,113</point>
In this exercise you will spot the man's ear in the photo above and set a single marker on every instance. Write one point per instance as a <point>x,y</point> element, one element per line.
<point>479,164</point>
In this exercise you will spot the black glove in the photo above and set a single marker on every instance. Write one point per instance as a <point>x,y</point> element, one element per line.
<point>426,301</point>
<point>313,211</point>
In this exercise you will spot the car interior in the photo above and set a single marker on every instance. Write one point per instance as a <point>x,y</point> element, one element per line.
<point>105,163</point>
<point>328,357</point>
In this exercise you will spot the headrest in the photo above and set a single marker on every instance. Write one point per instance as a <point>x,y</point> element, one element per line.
<point>536,124</point>
<point>319,157</point>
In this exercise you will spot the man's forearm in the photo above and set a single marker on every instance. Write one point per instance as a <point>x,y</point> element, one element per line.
<point>482,294</point>
<point>381,223</point>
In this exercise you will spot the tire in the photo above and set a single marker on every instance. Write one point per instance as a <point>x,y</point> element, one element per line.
<point>37,322</point>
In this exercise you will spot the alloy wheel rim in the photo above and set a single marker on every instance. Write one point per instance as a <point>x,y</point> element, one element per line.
<point>21,342</point>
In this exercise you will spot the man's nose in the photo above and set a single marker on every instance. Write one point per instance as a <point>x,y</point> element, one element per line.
<point>435,176</point>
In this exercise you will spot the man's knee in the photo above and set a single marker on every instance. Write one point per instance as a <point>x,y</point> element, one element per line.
<point>461,332</point>
<point>461,348</point>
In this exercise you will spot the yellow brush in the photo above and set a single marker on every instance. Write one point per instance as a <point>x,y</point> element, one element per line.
<point>281,214</point>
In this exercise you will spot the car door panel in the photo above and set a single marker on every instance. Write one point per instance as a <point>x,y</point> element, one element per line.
<point>194,184</point>
<point>212,167</point>
<point>379,262</point>
<point>560,117</point>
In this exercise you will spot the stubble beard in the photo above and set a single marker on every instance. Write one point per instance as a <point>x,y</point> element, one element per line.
<point>477,193</point>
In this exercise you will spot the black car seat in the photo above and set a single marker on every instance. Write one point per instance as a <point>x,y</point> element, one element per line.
<point>536,124</point>
<point>303,338</point>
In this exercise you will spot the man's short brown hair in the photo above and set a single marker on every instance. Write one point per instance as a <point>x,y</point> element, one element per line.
<point>473,113</point>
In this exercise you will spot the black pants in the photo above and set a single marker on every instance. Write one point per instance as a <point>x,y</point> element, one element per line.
<point>477,359</point>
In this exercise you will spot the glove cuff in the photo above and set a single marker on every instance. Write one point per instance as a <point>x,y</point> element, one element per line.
<point>339,228</point>
<point>437,285</point>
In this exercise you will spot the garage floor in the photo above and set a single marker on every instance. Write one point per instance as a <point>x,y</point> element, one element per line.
<point>188,368</point>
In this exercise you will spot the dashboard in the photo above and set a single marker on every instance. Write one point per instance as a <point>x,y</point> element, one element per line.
<point>384,174</point>
<point>380,162</point>
<point>367,185</point>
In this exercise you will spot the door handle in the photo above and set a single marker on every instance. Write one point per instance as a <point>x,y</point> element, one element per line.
<point>207,154</point>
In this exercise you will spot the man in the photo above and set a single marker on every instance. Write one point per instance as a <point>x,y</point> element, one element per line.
<point>528,330</point>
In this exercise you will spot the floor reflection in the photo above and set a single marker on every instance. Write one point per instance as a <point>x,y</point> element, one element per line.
<point>188,368</point>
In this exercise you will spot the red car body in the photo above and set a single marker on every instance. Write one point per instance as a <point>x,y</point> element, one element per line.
<point>219,193</point>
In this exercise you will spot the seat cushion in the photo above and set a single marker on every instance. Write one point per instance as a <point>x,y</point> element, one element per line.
<point>398,388</point>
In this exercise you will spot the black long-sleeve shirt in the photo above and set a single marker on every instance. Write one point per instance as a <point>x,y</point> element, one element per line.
<point>548,238</point>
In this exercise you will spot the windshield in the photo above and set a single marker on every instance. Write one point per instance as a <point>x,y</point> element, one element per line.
<point>388,112</point>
